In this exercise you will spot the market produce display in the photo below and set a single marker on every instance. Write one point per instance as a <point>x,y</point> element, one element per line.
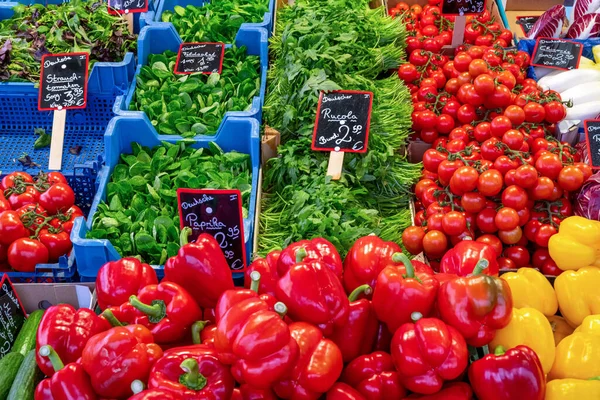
<point>68,27</point>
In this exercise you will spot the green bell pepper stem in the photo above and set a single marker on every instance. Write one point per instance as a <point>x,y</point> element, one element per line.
<point>155,311</point>
<point>366,289</point>
<point>300,254</point>
<point>192,378</point>
<point>48,351</point>
<point>415,316</point>
<point>110,317</point>
<point>254,281</point>
<point>197,328</point>
<point>481,266</point>
<point>500,350</point>
<point>137,386</point>
<point>280,309</point>
<point>184,236</point>
<point>401,257</point>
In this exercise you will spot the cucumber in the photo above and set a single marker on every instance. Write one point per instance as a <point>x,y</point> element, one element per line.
<point>9,365</point>
<point>26,338</point>
<point>26,380</point>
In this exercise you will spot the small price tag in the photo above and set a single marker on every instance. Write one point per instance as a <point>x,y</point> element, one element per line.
<point>206,58</point>
<point>218,213</point>
<point>556,53</point>
<point>342,121</point>
<point>526,23</point>
<point>592,136</point>
<point>463,7</point>
<point>63,81</point>
<point>117,7</point>
<point>12,315</point>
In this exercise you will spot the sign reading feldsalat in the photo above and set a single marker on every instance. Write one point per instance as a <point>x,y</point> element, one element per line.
<point>63,81</point>
<point>206,58</point>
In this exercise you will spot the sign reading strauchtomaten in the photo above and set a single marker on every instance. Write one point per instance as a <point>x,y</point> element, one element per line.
<point>63,81</point>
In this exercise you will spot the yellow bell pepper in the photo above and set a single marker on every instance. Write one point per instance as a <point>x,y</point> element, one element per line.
<point>531,328</point>
<point>577,244</point>
<point>530,288</point>
<point>590,324</point>
<point>578,355</point>
<point>560,328</point>
<point>578,294</point>
<point>573,389</point>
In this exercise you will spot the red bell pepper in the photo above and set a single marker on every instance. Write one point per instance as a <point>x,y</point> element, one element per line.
<point>69,382</point>
<point>476,305</point>
<point>427,353</point>
<point>463,257</point>
<point>365,260</point>
<point>267,267</point>
<point>167,309</point>
<point>150,394</point>
<point>67,330</point>
<point>115,358</point>
<point>117,280</point>
<point>359,334</point>
<point>319,365</point>
<point>383,339</point>
<point>374,376</point>
<point>192,372</point>
<point>208,314</point>
<point>317,249</point>
<point>201,268</point>
<point>341,391</point>
<point>403,285</point>
<point>247,392</point>
<point>508,375</point>
<point>313,294</point>
<point>451,391</point>
<point>254,340</point>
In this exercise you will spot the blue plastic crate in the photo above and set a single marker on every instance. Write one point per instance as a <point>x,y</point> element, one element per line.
<point>162,36</point>
<point>169,5</point>
<point>237,134</point>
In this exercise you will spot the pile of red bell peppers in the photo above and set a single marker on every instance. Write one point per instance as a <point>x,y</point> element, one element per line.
<point>308,326</point>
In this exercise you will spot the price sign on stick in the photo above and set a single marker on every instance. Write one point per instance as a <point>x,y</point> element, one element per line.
<point>592,136</point>
<point>526,23</point>
<point>12,315</point>
<point>63,86</point>
<point>342,125</point>
<point>463,7</point>
<point>218,213</point>
<point>127,8</point>
<point>556,53</point>
<point>206,58</point>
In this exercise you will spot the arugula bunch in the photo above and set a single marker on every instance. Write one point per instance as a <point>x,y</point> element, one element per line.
<point>329,45</point>
<point>195,104</point>
<point>217,21</point>
<point>76,26</point>
<point>141,216</point>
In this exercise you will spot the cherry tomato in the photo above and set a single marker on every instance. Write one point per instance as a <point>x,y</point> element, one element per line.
<point>543,189</point>
<point>11,227</point>
<point>570,178</point>
<point>490,183</point>
<point>500,125</point>
<point>422,185</point>
<point>434,222</point>
<point>506,219</point>
<point>513,139</point>
<point>534,112</point>
<point>472,202</point>
<point>501,98</point>
<point>493,241</point>
<point>504,164</point>
<point>466,114</point>
<point>543,234</point>
<point>539,144</point>
<point>478,67</point>
<point>446,169</point>
<point>531,229</point>
<point>453,223</point>
<point>490,149</point>
<point>524,216</point>
<point>445,124</point>
<point>586,169</point>
<point>432,159</point>
<point>539,257</point>
<point>435,244</point>
<point>507,79</point>
<point>462,61</point>
<point>555,112</point>
<point>429,196</point>
<point>549,165</point>
<point>412,238</point>
<point>519,255</point>
<point>408,73</point>
<point>510,236</point>
<point>465,179</point>
<point>418,57</point>
<point>514,197</point>
<point>55,177</point>
<point>485,220</point>
<point>549,267</point>
<point>526,176</point>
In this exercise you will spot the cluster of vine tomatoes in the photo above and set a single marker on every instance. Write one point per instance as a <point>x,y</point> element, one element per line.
<point>429,30</point>
<point>36,219</point>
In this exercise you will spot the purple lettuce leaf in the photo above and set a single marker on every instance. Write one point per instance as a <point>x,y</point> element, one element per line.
<point>584,27</point>
<point>549,24</point>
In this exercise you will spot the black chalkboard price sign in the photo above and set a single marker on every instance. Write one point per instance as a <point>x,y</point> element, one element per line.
<point>218,213</point>
<point>526,23</point>
<point>127,6</point>
<point>12,315</point>
<point>206,58</point>
<point>463,7</point>
<point>556,53</point>
<point>592,136</point>
<point>342,121</point>
<point>63,81</point>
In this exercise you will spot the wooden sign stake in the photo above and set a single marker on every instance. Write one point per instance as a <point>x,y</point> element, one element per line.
<point>58,135</point>
<point>129,18</point>
<point>336,162</point>
<point>459,30</point>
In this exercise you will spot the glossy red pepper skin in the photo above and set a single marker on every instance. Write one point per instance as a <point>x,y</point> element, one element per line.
<point>247,392</point>
<point>407,285</point>
<point>117,280</point>
<point>383,339</point>
<point>476,305</point>
<point>342,391</point>
<point>69,383</point>
<point>154,394</point>
<point>317,249</point>
<point>267,267</point>
<point>428,353</point>
<point>516,374</point>
<point>115,358</point>
<point>374,376</point>
<point>451,391</point>
<point>359,334</point>
<point>67,330</point>
<point>254,340</point>
<point>313,294</point>
<point>167,309</point>
<point>318,367</point>
<point>208,378</point>
<point>462,258</point>
<point>365,260</point>
<point>201,268</point>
